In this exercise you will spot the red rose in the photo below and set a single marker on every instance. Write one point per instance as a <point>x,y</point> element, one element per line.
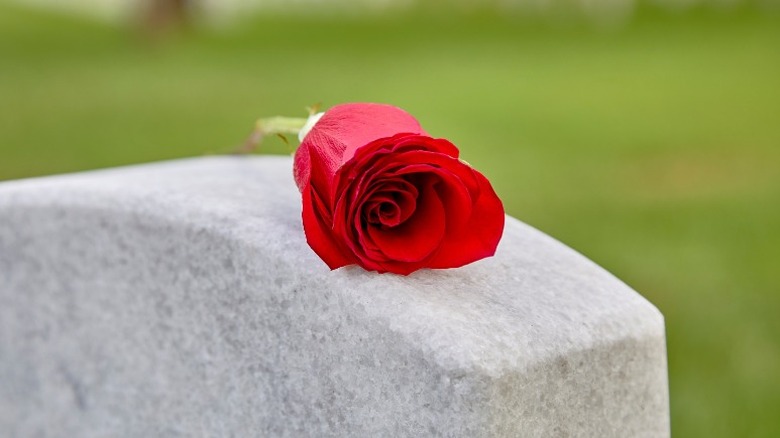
<point>380,193</point>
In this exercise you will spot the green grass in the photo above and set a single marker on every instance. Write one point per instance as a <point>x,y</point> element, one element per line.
<point>653,148</point>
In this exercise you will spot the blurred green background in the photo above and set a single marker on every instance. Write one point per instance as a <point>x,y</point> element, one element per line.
<point>651,144</point>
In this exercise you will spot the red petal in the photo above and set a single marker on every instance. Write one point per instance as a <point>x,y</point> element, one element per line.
<point>390,202</point>
<point>319,235</point>
<point>302,167</point>
<point>456,194</point>
<point>341,131</point>
<point>419,236</point>
<point>479,238</point>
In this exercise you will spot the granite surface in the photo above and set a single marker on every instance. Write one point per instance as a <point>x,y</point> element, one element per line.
<point>180,299</point>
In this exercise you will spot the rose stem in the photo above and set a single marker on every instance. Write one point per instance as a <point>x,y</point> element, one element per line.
<point>270,126</point>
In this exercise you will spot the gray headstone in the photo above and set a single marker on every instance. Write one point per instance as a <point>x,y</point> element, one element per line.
<point>181,299</point>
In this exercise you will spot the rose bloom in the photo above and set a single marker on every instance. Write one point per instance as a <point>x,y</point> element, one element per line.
<point>380,193</point>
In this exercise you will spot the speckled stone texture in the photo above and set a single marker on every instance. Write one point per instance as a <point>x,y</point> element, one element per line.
<point>180,299</point>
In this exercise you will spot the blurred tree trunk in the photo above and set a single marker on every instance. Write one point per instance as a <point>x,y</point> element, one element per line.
<point>163,16</point>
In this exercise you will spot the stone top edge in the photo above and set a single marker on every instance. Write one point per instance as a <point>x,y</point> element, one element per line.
<point>535,300</point>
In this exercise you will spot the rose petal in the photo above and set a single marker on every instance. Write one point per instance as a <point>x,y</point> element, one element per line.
<point>452,190</point>
<point>383,211</point>
<point>357,238</point>
<point>410,142</point>
<point>319,235</point>
<point>378,156</point>
<point>481,235</point>
<point>393,203</point>
<point>366,250</point>
<point>464,172</point>
<point>419,236</point>
<point>341,131</point>
<point>302,167</point>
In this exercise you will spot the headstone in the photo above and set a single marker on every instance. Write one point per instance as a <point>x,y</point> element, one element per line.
<point>181,299</point>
